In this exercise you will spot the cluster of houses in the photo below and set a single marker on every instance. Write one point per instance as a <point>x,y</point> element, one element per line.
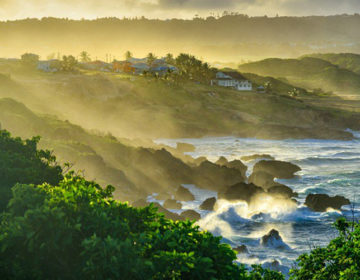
<point>138,66</point>
<point>135,66</point>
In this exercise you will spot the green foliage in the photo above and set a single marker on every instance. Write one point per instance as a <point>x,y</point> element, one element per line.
<point>340,260</point>
<point>193,68</point>
<point>29,59</point>
<point>21,162</point>
<point>68,63</point>
<point>85,56</point>
<point>77,231</point>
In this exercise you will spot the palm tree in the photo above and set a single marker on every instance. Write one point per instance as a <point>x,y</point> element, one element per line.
<point>85,56</point>
<point>170,59</point>
<point>128,55</point>
<point>150,59</point>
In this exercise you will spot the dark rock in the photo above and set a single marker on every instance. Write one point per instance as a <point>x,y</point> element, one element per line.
<point>237,164</point>
<point>320,202</point>
<point>163,196</point>
<point>282,190</point>
<point>241,191</point>
<point>262,179</point>
<point>190,215</point>
<point>185,147</point>
<point>215,177</point>
<point>167,213</point>
<point>222,161</point>
<point>200,160</point>
<point>140,203</point>
<point>278,169</point>
<point>208,204</point>
<point>183,194</point>
<point>242,249</point>
<point>172,204</point>
<point>273,240</point>
<point>257,156</point>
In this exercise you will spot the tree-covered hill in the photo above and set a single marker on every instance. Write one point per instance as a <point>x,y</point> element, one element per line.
<point>348,61</point>
<point>308,72</point>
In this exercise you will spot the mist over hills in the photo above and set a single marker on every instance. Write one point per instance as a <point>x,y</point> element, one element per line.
<point>228,38</point>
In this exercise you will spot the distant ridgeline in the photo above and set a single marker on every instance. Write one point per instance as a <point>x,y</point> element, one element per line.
<point>230,37</point>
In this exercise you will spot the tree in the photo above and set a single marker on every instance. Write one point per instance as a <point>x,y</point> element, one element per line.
<point>170,59</point>
<point>340,260</point>
<point>30,59</point>
<point>128,55</point>
<point>268,87</point>
<point>21,162</point>
<point>85,56</point>
<point>150,59</point>
<point>68,63</point>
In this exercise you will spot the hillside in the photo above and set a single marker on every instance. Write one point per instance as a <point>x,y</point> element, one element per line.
<point>308,72</point>
<point>348,61</point>
<point>226,38</point>
<point>148,108</point>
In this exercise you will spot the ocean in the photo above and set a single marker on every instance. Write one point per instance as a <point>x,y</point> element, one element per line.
<point>328,166</point>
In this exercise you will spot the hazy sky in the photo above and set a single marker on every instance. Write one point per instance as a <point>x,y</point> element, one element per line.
<point>14,9</point>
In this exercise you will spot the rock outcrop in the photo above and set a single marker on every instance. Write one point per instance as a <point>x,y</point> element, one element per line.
<point>273,240</point>
<point>278,169</point>
<point>185,147</point>
<point>262,179</point>
<point>242,249</point>
<point>215,177</point>
<point>241,191</point>
<point>222,161</point>
<point>321,202</point>
<point>190,215</point>
<point>208,204</point>
<point>257,156</point>
<point>282,190</point>
<point>183,194</point>
<point>172,204</point>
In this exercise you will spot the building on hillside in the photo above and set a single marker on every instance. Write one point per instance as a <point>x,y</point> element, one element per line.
<point>233,80</point>
<point>260,89</point>
<point>52,65</point>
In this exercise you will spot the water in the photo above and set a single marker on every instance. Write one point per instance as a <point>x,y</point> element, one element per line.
<point>328,166</point>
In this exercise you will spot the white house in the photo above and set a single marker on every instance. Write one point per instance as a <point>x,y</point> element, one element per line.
<point>232,79</point>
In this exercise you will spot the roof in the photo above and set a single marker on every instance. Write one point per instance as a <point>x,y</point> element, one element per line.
<point>235,75</point>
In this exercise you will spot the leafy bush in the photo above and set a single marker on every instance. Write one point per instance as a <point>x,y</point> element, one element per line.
<point>77,231</point>
<point>21,162</point>
<point>340,260</point>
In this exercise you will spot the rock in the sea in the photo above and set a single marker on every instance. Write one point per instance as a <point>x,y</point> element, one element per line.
<point>162,196</point>
<point>183,194</point>
<point>167,213</point>
<point>237,164</point>
<point>273,240</point>
<point>215,177</point>
<point>208,204</point>
<point>222,161</point>
<point>172,204</point>
<point>140,203</point>
<point>199,160</point>
<point>185,147</point>
<point>242,249</point>
<point>241,191</point>
<point>276,266</point>
<point>257,156</point>
<point>262,179</point>
<point>321,202</point>
<point>278,169</point>
<point>282,190</point>
<point>190,215</point>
